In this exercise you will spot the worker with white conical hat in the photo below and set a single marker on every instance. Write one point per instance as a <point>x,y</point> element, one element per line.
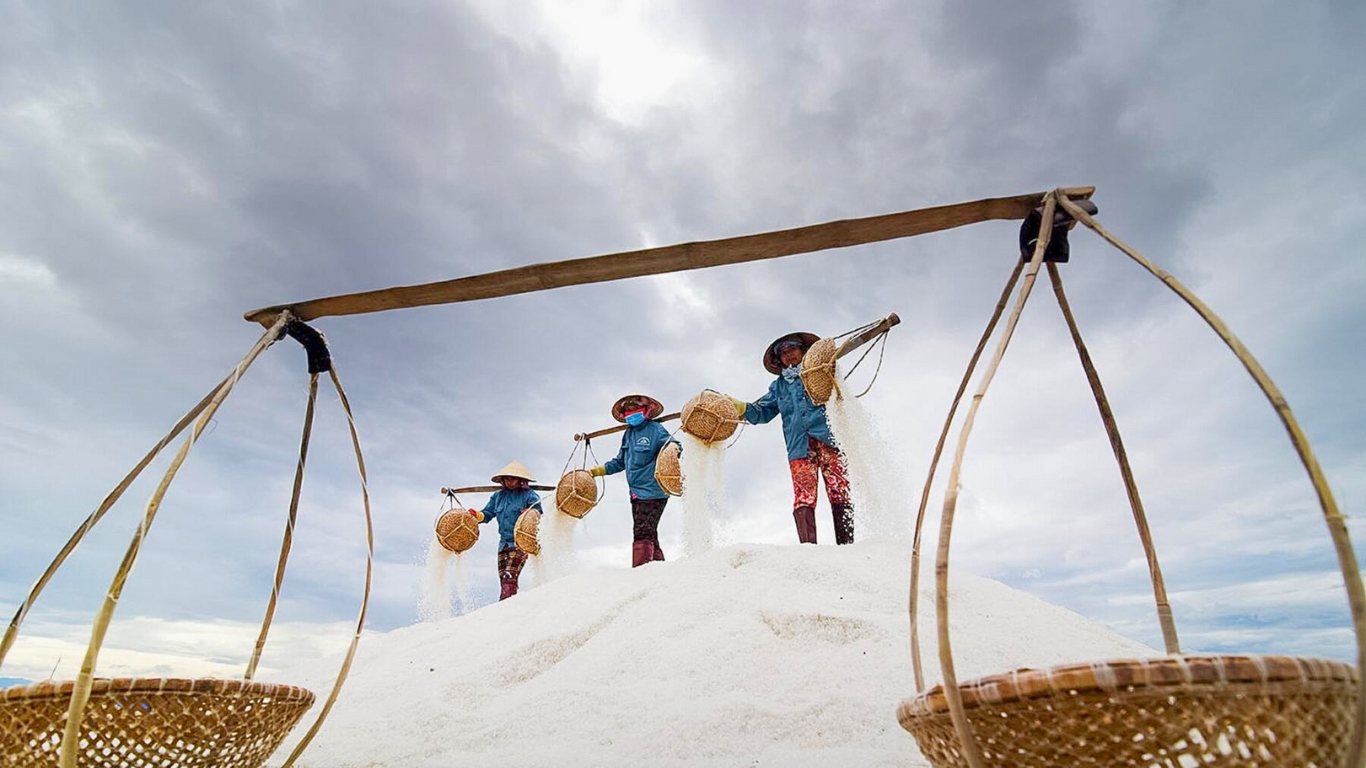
<point>505,506</point>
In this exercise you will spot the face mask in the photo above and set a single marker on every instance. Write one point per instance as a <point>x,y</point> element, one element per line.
<point>635,418</point>
<point>792,372</point>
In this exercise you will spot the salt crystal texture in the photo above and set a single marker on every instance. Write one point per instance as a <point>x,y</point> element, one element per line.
<point>741,656</point>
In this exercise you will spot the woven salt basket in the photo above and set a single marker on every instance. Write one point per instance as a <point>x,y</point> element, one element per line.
<point>1174,711</point>
<point>457,530</point>
<point>526,534</point>
<point>709,417</point>
<point>150,722</point>
<point>576,493</point>
<point>818,371</point>
<point>668,472</point>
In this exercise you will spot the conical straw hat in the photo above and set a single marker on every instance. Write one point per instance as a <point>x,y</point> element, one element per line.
<point>772,363</point>
<point>655,407</point>
<point>514,469</point>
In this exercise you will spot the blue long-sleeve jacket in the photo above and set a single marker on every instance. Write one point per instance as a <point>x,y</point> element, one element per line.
<point>801,417</point>
<point>505,506</point>
<point>640,447</point>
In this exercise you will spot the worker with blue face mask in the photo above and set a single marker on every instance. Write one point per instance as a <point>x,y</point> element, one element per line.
<point>640,446</point>
<point>811,450</point>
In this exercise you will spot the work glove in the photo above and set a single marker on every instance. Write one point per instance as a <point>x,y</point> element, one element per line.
<point>598,471</point>
<point>477,515</point>
<point>740,405</point>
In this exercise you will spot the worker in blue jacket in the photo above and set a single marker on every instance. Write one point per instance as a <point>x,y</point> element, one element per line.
<point>505,506</point>
<point>811,450</point>
<point>640,446</point>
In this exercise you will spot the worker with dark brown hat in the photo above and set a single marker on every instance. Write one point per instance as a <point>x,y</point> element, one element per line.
<point>505,506</point>
<point>640,446</point>
<point>811,450</point>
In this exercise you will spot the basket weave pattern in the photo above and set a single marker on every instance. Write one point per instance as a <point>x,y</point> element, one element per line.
<point>709,417</point>
<point>526,533</point>
<point>457,530</point>
<point>1266,711</point>
<point>576,493</point>
<point>668,471</point>
<point>818,371</point>
<point>152,723</point>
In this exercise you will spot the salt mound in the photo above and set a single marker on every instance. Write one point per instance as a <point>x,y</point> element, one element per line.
<point>747,655</point>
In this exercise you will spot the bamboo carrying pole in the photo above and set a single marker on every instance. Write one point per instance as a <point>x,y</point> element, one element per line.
<point>581,436</point>
<point>1164,608</point>
<point>671,258</point>
<point>1337,527</point>
<point>854,342</point>
<point>971,751</point>
<point>80,693</point>
<point>913,605</point>
<point>490,489</point>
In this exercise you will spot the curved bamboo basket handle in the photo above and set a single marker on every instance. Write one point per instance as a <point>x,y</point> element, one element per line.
<point>12,633</point>
<point>1145,536</point>
<point>1337,527</point>
<point>288,538</point>
<point>934,463</point>
<point>80,693</point>
<point>971,751</point>
<point>369,572</point>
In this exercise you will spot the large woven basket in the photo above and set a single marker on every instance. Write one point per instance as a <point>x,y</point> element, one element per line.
<point>668,470</point>
<point>576,493</point>
<point>818,371</point>
<point>457,530</point>
<point>709,417</point>
<point>152,723</point>
<point>526,533</point>
<point>1266,711</point>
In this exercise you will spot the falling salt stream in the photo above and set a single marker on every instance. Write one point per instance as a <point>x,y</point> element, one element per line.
<point>877,489</point>
<point>437,593</point>
<point>703,488</point>
<point>557,556</point>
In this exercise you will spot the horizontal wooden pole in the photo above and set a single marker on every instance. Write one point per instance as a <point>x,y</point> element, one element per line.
<point>619,428</point>
<point>490,489</point>
<point>669,258</point>
<point>854,342</point>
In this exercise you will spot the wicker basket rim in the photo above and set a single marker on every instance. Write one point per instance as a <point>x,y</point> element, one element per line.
<point>1133,675</point>
<point>104,686</point>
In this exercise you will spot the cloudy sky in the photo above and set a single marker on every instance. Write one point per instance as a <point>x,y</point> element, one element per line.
<point>165,167</point>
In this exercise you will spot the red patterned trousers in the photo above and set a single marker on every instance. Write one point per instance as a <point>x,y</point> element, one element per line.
<point>821,461</point>
<point>510,563</point>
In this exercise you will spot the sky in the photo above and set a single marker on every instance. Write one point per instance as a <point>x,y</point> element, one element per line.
<point>165,167</point>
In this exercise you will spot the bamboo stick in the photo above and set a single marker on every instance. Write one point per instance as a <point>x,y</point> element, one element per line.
<point>369,571</point>
<point>491,489</point>
<point>670,258</point>
<point>971,750</point>
<point>934,463</point>
<point>288,538</point>
<point>854,342</point>
<point>1337,526</point>
<point>1107,416</point>
<point>581,436</point>
<point>12,633</point>
<point>80,693</point>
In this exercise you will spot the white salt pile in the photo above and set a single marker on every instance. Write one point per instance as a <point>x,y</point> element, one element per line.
<point>748,655</point>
